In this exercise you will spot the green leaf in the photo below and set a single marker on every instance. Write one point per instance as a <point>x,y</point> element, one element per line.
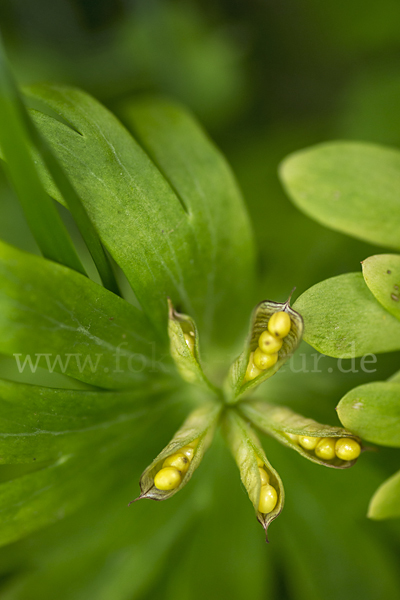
<point>184,347</point>
<point>235,385</point>
<point>350,187</point>
<point>385,503</point>
<point>45,496</point>
<point>102,546</point>
<point>343,319</point>
<point>38,423</point>
<point>41,214</point>
<point>92,476</point>
<point>200,425</point>
<point>395,378</point>
<point>247,452</point>
<point>203,181</point>
<point>372,411</point>
<point>285,425</point>
<point>86,331</point>
<point>382,276</point>
<point>146,226</point>
<point>74,204</point>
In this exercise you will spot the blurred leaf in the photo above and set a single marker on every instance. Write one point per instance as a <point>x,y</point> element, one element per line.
<point>279,420</point>
<point>359,29</point>
<point>382,276</point>
<point>372,411</point>
<point>105,533</point>
<point>371,100</point>
<point>247,451</point>
<point>32,501</point>
<point>44,221</point>
<point>38,423</point>
<point>395,378</point>
<point>202,179</point>
<point>86,331</point>
<point>200,63</point>
<point>328,551</point>
<point>350,187</point>
<point>385,503</point>
<point>120,553</point>
<point>343,319</point>
<point>146,226</point>
<point>45,496</point>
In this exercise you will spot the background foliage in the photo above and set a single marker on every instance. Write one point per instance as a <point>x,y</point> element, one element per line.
<point>265,80</point>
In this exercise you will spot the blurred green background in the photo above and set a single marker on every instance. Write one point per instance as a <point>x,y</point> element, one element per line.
<point>265,78</point>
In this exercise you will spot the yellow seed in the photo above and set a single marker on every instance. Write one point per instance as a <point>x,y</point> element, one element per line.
<point>252,371</point>
<point>189,339</point>
<point>259,461</point>
<point>264,361</point>
<point>308,442</point>
<point>263,476</point>
<point>347,449</point>
<point>268,499</point>
<point>167,479</point>
<point>326,448</point>
<point>293,437</point>
<point>178,460</point>
<point>269,344</point>
<point>193,443</point>
<point>279,324</point>
<point>187,451</point>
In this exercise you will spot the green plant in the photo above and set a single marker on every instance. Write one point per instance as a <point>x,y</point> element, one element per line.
<point>354,188</point>
<point>166,209</point>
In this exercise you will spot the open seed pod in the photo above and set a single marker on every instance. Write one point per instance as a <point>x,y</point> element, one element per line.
<point>184,347</point>
<point>200,426</point>
<point>235,384</point>
<point>285,425</point>
<point>250,457</point>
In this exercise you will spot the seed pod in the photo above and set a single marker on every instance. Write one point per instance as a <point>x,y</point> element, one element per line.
<point>184,346</point>
<point>199,426</point>
<point>250,457</point>
<point>284,424</point>
<point>236,383</point>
